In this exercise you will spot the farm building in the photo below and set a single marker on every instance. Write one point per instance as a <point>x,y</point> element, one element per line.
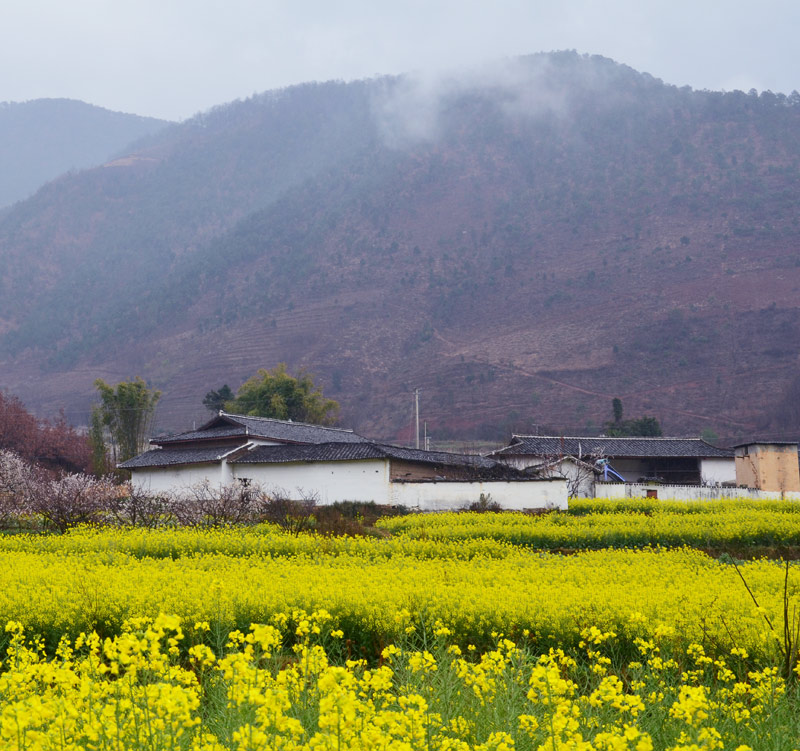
<point>677,461</point>
<point>768,465</point>
<point>331,464</point>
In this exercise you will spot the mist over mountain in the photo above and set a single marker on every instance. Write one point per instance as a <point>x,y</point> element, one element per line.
<point>44,138</point>
<point>523,241</point>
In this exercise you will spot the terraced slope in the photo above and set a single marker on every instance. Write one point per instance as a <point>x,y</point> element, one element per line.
<point>523,245</point>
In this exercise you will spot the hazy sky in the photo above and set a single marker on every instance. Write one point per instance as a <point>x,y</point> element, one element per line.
<point>173,58</point>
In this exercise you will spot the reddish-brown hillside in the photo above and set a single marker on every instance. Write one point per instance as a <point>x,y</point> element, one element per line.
<point>522,244</point>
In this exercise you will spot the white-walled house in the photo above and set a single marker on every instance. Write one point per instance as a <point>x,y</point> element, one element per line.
<point>675,461</point>
<point>299,460</point>
<point>203,454</point>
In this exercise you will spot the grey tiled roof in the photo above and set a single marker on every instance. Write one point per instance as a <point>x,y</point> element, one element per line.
<point>437,457</point>
<point>333,452</point>
<point>544,445</point>
<point>319,452</point>
<point>170,457</point>
<point>221,431</point>
<point>227,425</point>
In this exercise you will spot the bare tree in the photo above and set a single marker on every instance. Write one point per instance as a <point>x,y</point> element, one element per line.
<point>14,477</point>
<point>69,500</point>
<point>580,474</point>
<point>207,505</point>
<point>136,507</point>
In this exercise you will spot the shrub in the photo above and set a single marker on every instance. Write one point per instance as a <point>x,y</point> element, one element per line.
<point>485,504</point>
<point>290,515</point>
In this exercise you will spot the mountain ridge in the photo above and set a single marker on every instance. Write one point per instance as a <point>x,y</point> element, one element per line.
<point>45,138</point>
<point>524,245</point>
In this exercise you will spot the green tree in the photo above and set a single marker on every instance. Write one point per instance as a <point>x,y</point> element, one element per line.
<point>126,411</point>
<point>648,427</point>
<point>642,427</point>
<point>216,400</point>
<point>709,435</point>
<point>276,393</point>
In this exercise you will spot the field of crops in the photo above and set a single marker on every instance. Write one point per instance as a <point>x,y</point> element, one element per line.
<point>596,524</point>
<point>450,631</point>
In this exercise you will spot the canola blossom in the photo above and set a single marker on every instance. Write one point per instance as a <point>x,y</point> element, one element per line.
<point>159,685</point>
<point>449,632</point>
<point>263,539</point>
<point>596,524</point>
<point>374,598</point>
<point>578,506</point>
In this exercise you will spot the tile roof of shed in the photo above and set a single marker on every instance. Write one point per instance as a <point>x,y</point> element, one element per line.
<point>226,425</point>
<point>541,445</point>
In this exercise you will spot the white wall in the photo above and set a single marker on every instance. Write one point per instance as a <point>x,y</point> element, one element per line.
<point>166,479</point>
<point>447,496</point>
<point>365,480</point>
<point>687,492</point>
<point>717,471</point>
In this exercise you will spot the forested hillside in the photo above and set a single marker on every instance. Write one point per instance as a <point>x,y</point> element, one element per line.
<point>523,243</point>
<point>44,138</point>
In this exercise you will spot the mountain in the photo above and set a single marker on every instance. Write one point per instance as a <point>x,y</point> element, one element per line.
<point>44,138</point>
<point>523,242</point>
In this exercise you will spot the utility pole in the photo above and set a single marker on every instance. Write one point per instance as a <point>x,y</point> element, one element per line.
<point>416,413</point>
<point>425,443</point>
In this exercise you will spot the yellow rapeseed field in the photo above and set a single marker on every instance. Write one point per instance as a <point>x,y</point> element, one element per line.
<point>553,597</point>
<point>132,692</point>
<point>595,524</point>
<point>452,632</point>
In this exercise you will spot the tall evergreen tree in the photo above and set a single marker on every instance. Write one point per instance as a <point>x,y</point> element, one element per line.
<point>216,400</point>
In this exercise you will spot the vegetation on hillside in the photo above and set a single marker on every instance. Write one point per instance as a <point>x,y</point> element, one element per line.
<point>570,232</point>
